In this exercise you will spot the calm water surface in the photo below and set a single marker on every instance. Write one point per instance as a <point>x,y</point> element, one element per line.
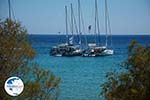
<point>82,76</point>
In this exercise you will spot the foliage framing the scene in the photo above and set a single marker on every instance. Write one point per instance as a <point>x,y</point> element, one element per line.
<point>134,83</point>
<point>15,58</point>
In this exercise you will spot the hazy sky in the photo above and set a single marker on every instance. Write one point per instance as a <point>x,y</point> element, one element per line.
<point>47,16</point>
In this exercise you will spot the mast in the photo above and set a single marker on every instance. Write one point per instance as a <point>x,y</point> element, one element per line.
<point>79,15</point>
<point>97,30</point>
<point>95,23</point>
<point>98,24</point>
<point>109,26</point>
<point>71,19</point>
<point>66,19</point>
<point>106,22</point>
<point>9,11</point>
<point>75,24</point>
<point>76,27</point>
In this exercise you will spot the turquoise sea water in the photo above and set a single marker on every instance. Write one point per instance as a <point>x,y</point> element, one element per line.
<point>81,76</point>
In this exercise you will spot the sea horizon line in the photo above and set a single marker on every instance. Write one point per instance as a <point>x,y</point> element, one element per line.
<point>87,34</point>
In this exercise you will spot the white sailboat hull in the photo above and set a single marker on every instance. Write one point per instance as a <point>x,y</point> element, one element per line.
<point>108,52</point>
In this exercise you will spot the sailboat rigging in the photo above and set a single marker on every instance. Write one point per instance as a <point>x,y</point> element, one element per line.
<point>92,49</point>
<point>108,51</point>
<point>69,48</point>
<point>95,49</point>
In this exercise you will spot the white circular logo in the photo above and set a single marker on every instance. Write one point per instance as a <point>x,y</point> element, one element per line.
<point>14,86</point>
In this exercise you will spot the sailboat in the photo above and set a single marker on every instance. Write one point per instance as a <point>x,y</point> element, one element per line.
<point>107,51</point>
<point>91,49</point>
<point>95,49</point>
<point>68,48</point>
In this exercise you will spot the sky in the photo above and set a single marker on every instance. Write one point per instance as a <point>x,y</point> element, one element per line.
<point>48,16</point>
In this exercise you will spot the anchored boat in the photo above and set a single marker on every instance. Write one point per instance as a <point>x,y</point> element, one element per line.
<point>90,49</point>
<point>69,48</point>
<point>97,49</point>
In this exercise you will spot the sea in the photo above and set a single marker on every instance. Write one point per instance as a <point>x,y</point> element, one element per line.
<point>82,77</point>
